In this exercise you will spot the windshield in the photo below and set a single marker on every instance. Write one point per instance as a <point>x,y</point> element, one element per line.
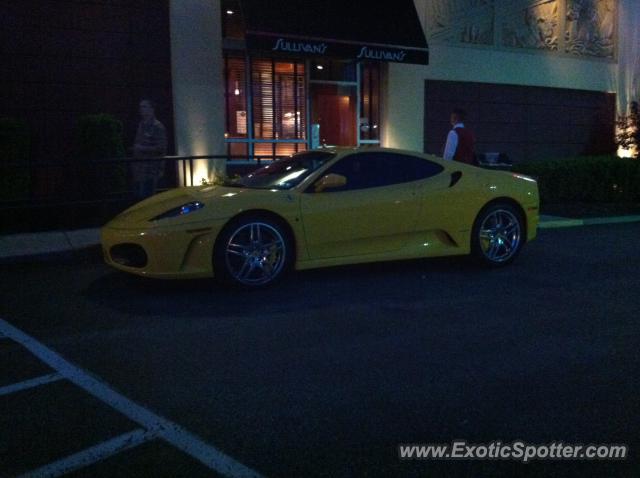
<point>285,173</point>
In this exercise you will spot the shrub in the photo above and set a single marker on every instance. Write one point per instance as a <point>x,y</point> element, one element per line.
<point>585,179</point>
<point>15,146</point>
<point>100,137</point>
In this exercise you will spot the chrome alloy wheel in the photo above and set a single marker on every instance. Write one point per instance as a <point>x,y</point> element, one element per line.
<point>255,253</point>
<point>500,235</point>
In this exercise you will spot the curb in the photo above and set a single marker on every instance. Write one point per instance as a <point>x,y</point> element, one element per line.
<point>559,223</point>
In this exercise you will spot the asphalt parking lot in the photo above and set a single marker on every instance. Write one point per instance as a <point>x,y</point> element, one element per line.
<point>325,373</point>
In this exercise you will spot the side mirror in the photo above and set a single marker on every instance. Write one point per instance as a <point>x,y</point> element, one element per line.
<point>330,181</point>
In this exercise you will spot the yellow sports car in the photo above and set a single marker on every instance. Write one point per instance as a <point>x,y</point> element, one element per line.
<point>324,208</point>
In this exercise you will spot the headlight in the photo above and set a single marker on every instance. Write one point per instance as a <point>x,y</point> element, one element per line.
<point>180,210</point>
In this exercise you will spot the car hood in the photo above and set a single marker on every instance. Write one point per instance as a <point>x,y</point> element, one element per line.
<point>219,202</point>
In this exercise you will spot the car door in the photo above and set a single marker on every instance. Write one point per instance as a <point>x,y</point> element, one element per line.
<point>375,212</point>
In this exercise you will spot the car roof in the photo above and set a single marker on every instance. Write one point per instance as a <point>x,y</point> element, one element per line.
<point>345,150</point>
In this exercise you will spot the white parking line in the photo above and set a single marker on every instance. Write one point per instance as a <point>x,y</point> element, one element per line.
<point>32,382</point>
<point>92,455</point>
<point>170,432</point>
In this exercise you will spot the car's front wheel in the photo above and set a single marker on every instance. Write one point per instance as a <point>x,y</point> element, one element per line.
<point>498,235</point>
<point>252,252</point>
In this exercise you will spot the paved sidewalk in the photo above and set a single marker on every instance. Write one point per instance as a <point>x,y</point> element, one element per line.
<point>16,247</point>
<point>43,245</point>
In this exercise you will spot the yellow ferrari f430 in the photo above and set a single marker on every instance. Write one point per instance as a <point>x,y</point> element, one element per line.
<point>324,208</point>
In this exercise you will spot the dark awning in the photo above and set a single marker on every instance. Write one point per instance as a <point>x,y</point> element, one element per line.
<point>348,29</point>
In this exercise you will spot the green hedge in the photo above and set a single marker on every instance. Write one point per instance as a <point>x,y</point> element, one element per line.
<point>100,136</point>
<point>603,179</point>
<point>15,148</point>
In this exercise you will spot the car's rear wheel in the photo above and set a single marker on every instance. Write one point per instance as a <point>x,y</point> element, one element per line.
<point>498,235</point>
<point>252,252</point>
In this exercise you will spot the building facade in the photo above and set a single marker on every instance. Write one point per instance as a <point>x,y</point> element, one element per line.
<point>539,78</point>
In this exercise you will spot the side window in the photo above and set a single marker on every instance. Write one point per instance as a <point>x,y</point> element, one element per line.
<point>360,170</point>
<point>416,168</point>
<point>377,169</point>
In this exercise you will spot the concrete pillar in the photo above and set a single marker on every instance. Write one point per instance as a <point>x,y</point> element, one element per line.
<point>403,101</point>
<point>403,107</point>
<point>198,83</point>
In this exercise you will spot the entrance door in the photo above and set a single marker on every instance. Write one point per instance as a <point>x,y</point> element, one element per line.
<point>334,108</point>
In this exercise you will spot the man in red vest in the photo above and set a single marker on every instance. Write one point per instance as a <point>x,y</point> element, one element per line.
<point>460,141</point>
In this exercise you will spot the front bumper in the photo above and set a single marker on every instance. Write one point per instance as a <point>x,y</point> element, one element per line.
<point>175,252</point>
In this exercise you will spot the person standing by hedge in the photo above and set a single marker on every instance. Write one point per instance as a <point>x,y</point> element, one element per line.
<point>460,140</point>
<point>150,142</point>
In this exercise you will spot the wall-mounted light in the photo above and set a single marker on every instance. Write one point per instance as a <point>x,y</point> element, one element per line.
<point>229,12</point>
<point>320,67</point>
<point>237,90</point>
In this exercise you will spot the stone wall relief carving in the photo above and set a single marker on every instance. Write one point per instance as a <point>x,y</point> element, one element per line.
<point>590,28</point>
<point>578,27</point>
<point>461,21</point>
<point>527,24</point>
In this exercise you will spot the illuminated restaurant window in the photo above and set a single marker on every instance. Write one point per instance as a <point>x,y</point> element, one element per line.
<point>370,103</point>
<point>279,100</point>
<point>278,149</point>
<point>268,115</point>
<point>236,98</point>
<point>238,149</point>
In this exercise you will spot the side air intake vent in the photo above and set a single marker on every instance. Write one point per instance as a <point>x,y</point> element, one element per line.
<point>455,177</point>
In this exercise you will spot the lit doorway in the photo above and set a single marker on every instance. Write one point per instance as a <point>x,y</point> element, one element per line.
<point>334,110</point>
<point>333,91</point>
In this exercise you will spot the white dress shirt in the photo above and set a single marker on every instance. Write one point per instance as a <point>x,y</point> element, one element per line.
<point>452,143</point>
